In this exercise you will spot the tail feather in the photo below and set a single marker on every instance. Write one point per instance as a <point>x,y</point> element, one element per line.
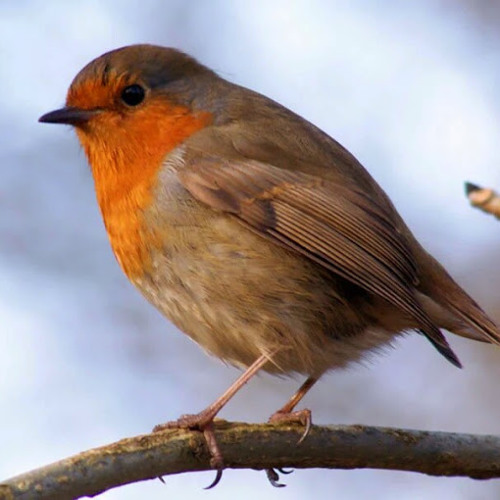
<point>443,348</point>
<point>452,308</point>
<point>483,329</point>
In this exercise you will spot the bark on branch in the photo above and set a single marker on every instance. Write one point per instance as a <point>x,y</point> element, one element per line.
<point>259,447</point>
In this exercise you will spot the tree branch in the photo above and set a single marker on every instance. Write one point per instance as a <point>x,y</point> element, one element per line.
<point>260,446</point>
<point>485,199</point>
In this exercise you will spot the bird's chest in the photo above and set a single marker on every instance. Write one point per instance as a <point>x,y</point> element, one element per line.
<point>169,247</point>
<point>142,218</point>
<point>130,237</point>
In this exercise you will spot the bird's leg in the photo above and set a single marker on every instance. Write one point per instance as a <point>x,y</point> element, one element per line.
<point>203,421</point>
<point>286,413</point>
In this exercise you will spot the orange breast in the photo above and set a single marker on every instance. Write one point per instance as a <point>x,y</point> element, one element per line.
<point>126,154</point>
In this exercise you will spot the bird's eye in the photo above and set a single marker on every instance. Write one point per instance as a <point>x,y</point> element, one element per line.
<point>133,95</point>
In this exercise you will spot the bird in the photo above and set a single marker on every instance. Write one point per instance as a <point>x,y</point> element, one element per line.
<point>252,230</point>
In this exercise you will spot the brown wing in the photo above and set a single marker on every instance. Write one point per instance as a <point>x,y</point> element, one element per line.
<point>339,228</point>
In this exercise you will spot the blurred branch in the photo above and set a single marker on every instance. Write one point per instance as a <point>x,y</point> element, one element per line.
<point>483,198</point>
<point>259,447</point>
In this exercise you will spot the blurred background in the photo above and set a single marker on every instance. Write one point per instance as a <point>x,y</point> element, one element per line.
<point>409,88</point>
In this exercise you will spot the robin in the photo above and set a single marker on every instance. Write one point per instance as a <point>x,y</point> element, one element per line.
<point>253,231</point>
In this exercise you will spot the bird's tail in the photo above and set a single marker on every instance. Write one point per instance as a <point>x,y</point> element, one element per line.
<point>450,307</point>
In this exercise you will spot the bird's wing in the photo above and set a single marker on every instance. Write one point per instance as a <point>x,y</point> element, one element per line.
<point>340,228</point>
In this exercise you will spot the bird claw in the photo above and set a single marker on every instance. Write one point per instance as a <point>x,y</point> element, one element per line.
<point>215,482</point>
<point>273,478</point>
<point>302,417</point>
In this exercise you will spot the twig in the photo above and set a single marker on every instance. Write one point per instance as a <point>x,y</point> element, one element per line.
<point>483,198</point>
<point>259,447</point>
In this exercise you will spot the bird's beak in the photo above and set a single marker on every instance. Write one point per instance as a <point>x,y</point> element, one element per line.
<point>69,116</point>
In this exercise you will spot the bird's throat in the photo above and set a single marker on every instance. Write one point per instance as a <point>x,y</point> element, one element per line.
<point>125,163</point>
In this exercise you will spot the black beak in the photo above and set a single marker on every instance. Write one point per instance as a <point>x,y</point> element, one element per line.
<point>69,116</point>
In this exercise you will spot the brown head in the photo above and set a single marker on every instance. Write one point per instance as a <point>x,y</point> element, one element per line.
<point>130,108</point>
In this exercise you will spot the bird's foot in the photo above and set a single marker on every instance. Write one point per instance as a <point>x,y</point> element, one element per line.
<point>202,422</point>
<point>302,417</point>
